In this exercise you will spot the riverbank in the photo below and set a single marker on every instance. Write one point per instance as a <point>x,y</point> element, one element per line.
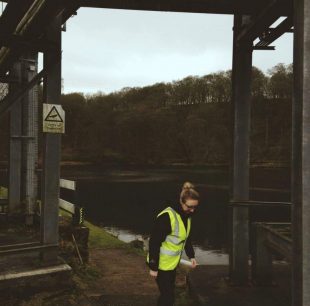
<point>116,274</point>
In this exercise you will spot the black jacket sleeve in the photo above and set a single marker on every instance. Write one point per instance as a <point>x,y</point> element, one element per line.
<point>189,250</point>
<point>161,229</point>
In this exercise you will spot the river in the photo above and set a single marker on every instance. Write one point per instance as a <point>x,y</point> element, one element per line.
<point>126,201</point>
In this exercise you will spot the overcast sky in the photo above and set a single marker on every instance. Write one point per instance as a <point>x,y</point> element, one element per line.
<point>106,50</point>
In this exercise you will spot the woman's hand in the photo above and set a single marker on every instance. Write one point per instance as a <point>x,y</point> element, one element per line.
<point>153,273</point>
<point>194,262</point>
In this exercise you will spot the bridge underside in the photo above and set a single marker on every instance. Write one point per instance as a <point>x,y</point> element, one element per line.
<point>23,22</point>
<point>31,26</point>
<point>243,7</point>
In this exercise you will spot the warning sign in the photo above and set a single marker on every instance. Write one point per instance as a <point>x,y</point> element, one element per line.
<point>53,118</point>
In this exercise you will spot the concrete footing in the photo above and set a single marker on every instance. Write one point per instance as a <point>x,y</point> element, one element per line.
<point>29,276</point>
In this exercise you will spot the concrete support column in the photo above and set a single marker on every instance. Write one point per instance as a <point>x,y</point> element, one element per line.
<point>301,156</point>
<point>51,145</point>
<point>242,70</point>
<point>30,134</point>
<point>15,147</point>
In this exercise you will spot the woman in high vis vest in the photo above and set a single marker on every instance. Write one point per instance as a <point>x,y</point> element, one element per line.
<point>169,237</point>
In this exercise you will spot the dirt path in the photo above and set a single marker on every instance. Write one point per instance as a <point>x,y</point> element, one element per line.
<point>123,281</point>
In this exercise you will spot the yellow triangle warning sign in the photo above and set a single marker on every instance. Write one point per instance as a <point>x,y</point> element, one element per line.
<point>53,118</point>
<point>53,115</point>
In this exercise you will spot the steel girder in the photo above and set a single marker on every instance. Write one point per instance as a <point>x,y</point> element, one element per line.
<point>239,7</point>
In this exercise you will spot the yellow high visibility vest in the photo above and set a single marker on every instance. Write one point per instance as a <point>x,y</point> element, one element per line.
<point>171,249</point>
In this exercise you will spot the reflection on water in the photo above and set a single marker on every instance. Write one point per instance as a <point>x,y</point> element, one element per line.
<point>210,257</point>
<point>203,256</point>
<point>123,235</point>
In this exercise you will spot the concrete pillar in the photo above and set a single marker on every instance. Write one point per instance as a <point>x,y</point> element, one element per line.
<point>301,156</point>
<point>15,157</point>
<point>30,133</point>
<point>51,146</point>
<point>242,70</point>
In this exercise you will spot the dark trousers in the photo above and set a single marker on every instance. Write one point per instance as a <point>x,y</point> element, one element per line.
<point>166,283</point>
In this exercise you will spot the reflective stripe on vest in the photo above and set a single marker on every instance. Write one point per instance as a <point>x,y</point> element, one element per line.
<point>174,239</point>
<point>170,253</point>
<point>171,249</point>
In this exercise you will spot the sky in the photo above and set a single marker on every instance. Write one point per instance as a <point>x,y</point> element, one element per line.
<point>106,50</point>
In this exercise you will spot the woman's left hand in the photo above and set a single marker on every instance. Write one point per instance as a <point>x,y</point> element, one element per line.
<point>194,262</point>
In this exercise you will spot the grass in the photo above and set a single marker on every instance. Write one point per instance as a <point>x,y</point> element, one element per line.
<point>99,238</point>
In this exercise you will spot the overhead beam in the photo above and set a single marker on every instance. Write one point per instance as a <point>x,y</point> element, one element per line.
<point>20,42</point>
<point>15,10</point>
<point>190,6</point>
<point>34,28</point>
<point>261,23</point>
<point>12,14</point>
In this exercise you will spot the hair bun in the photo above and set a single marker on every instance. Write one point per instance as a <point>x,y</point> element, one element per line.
<point>188,185</point>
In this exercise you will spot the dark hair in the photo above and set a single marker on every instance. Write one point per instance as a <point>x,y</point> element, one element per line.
<point>188,192</point>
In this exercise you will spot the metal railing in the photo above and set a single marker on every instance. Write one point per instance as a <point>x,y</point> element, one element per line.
<point>251,203</point>
<point>75,209</point>
<point>269,238</point>
<point>266,239</point>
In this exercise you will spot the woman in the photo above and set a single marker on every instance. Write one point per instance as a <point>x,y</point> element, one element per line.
<point>170,235</point>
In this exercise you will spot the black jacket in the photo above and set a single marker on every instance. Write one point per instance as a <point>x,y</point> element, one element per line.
<point>161,229</point>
